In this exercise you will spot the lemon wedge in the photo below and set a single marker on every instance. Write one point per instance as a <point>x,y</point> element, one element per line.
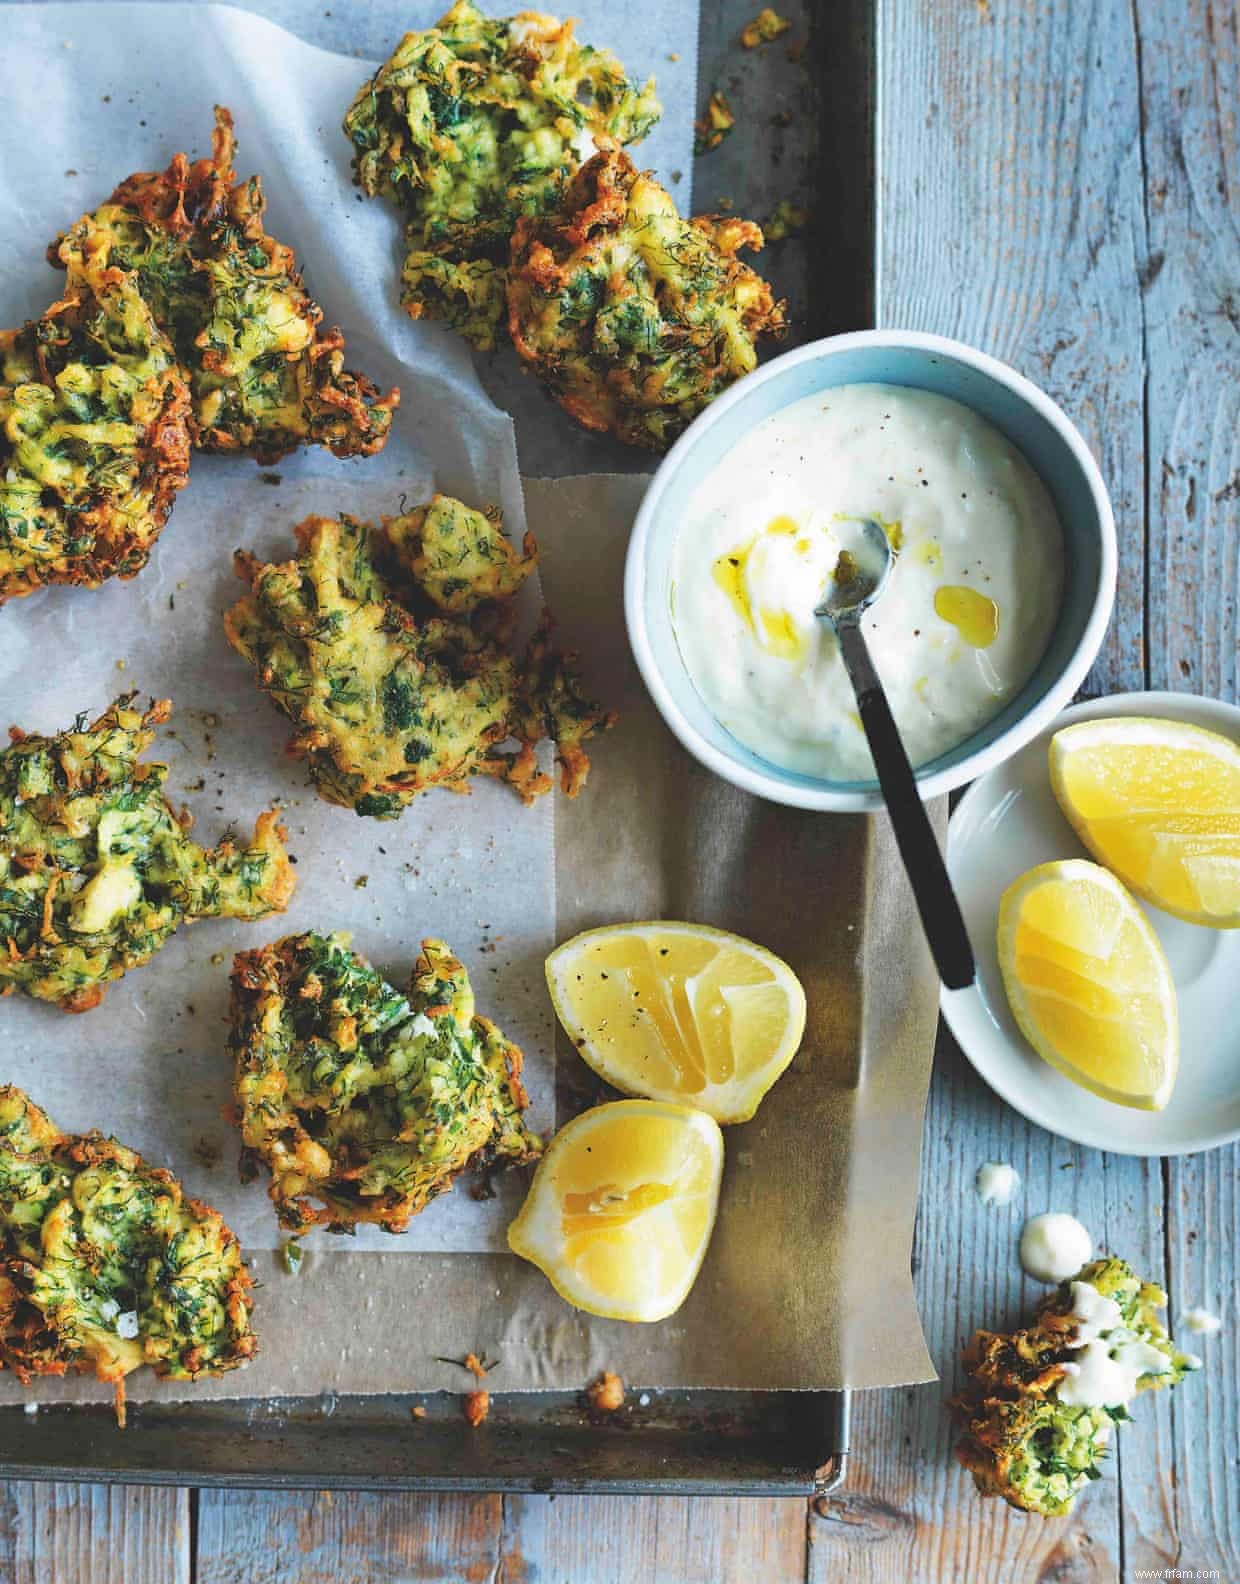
<point>622,1206</point>
<point>1088,982</point>
<point>679,1012</point>
<point>1158,802</point>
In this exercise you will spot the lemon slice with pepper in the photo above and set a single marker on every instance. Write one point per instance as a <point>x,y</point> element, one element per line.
<point>679,1012</point>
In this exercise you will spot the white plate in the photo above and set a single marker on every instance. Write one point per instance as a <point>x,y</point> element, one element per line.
<point>1005,824</point>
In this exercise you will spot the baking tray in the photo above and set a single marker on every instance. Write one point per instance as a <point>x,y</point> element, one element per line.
<point>677,1443</point>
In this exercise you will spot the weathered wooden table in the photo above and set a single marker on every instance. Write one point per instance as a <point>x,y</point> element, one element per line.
<point>1058,181</point>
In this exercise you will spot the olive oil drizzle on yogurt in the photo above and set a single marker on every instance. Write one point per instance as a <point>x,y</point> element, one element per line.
<point>967,611</point>
<point>774,629</point>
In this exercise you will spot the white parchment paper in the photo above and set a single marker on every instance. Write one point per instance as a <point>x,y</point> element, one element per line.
<point>93,92</point>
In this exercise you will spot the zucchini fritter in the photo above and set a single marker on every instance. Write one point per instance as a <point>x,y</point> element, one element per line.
<point>106,1265</point>
<point>633,318</point>
<point>388,648</point>
<point>265,378</point>
<point>94,437</point>
<point>362,1099</point>
<point>471,124</point>
<point>1019,1439</point>
<point>97,871</point>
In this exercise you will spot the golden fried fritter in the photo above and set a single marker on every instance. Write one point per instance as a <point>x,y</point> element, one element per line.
<point>365,1104</point>
<point>106,1265</point>
<point>1019,1440</point>
<point>633,318</point>
<point>471,124</point>
<point>97,871</point>
<point>265,377</point>
<point>389,649</point>
<point>94,436</point>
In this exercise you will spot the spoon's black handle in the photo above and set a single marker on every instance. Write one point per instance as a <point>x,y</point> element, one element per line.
<point>923,862</point>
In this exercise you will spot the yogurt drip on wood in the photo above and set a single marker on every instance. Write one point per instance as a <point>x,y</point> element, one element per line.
<point>1054,1246</point>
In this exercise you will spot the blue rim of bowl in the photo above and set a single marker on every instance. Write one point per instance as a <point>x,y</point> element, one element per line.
<point>843,798</point>
<point>1159,704</point>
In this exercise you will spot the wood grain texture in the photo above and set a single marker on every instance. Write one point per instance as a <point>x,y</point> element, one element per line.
<point>1012,214</point>
<point>671,1540</point>
<point>296,1537</point>
<point>1060,185</point>
<point>1190,98</point>
<point>93,1534</point>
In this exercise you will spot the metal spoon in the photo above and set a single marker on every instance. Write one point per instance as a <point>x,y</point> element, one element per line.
<point>859,581</point>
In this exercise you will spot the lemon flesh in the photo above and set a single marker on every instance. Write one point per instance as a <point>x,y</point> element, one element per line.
<point>620,1212</point>
<point>679,1012</point>
<point>1157,802</point>
<point>1088,982</point>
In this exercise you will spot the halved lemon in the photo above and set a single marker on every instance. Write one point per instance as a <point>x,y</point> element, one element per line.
<point>1088,982</point>
<point>679,1012</point>
<point>1158,802</point>
<point>621,1208</point>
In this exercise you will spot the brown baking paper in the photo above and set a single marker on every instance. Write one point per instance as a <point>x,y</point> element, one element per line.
<point>807,1282</point>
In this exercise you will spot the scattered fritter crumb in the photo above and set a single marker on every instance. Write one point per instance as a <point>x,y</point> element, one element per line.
<point>105,1265</point>
<point>714,125</point>
<point>767,25</point>
<point>476,1406</point>
<point>265,376</point>
<point>97,869</point>
<point>417,1411</point>
<point>606,1394</point>
<point>472,124</point>
<point>633,318</point>
<point>785,220</point>
<point>362,1103</point>
<point>390,649</point>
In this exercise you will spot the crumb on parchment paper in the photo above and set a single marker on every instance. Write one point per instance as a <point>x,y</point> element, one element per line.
<point>475,1405</point>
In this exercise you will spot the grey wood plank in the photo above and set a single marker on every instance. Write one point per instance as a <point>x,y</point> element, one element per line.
<point>669,1540</point>
<point>348,1537</point>
<point>1011,215</point>
<point>909,1512</point>
<point>93,1534</point>
<point>1190,97</point>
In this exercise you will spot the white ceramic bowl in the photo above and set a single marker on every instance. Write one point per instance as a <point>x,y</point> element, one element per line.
<point>1023,413</point>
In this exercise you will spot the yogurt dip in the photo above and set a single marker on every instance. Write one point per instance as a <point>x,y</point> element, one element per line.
<point>968,610</point>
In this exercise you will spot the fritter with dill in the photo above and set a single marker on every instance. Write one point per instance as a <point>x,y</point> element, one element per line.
<point>94,436</point>
<point>265,377</point>
<point>96,869</point>
<point>634,319</point>
<point>106,1265</point>
<point>364,1104</point>
<point>390,649</point>
<point>1041,1405</point>
<point>472,124</point>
